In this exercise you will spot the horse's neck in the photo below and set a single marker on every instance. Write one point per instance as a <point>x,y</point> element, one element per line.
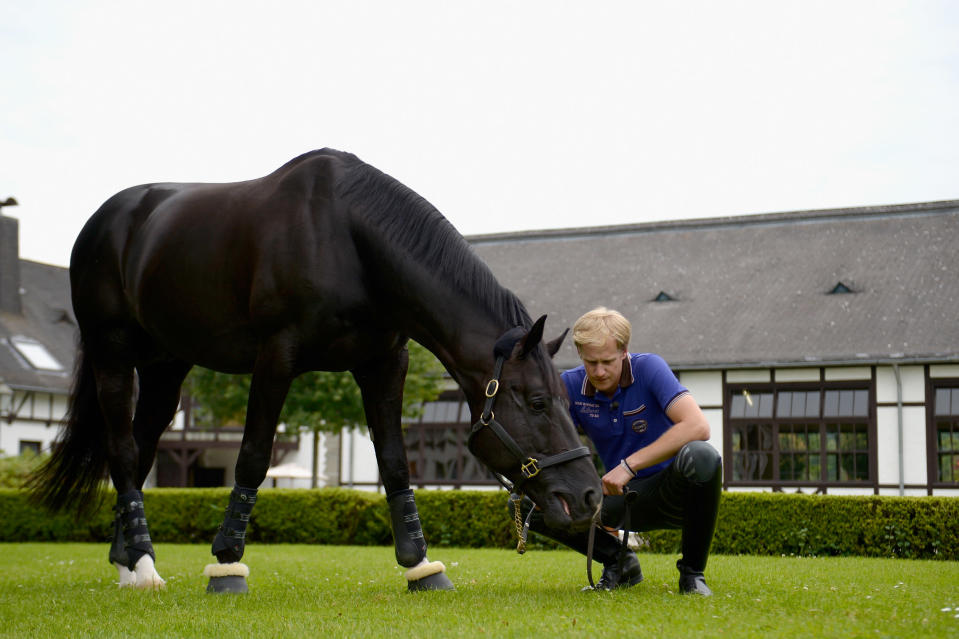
<point>462,341</point>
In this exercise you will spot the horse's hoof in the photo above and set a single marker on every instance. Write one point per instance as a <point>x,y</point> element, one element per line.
<point>439,581</point>
<point>227,578</point>
<point>428,576</point>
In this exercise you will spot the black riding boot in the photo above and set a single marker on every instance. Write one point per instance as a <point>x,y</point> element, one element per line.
<point>702,509</point>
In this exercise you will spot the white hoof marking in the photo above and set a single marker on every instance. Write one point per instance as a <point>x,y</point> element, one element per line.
<point>146,575</point>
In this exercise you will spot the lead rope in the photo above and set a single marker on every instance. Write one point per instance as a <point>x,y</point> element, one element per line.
<point>596,521</point>
<point>629,496</point>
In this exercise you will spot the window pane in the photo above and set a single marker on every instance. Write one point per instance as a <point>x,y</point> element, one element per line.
<point>739,466</point>
<point>799,404</point>
<point>783,410</point>
<point>942,401</point>
<point>766,405</point>
<point>862,438</point>
<point>862,466</point>
<point>861,408</point>
<point>801,467</point>
<point>847,440</point>
<point>814,441</point>
<point>786,467</point>
<point>832,468</point>
<point>847,470</point>
<point>752,406</point>
<point>832,404</point>
<point>785,441</point>
<point>814,467</point>
<point>955,402</point>
<point>812,404</point>
<point>765,437</point>
<point>832,438</point>
<point>738,407</point>
<point>737,440</point>
<point>845,403</point>
<point>945,468</point>
<point>945,440</point>
<point>955,441</point>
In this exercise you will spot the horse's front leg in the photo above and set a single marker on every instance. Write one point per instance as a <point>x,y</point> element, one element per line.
<point>381,384</point>
<point>268,388</point>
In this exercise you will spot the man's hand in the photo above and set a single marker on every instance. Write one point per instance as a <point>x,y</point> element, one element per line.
<point>615,480</point>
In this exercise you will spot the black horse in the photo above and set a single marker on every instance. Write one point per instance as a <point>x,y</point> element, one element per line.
<point>325,264</point>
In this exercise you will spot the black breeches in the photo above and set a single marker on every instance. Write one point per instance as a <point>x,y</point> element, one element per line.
<point>684,496</point>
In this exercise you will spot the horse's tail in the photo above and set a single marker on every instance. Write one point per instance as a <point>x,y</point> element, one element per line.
<point>72,478</point>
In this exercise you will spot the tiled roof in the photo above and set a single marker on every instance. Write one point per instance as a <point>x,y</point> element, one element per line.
<point>47,319</point>
<point>753,290</point>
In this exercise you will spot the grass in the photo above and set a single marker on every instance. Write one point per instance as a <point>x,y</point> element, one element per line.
<point>68,590</point>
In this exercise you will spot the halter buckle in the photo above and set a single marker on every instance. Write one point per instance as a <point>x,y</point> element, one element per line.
<point>530,469</point>
<point>492,387</point>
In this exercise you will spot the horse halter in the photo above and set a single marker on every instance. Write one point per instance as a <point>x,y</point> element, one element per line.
<point>529,466</point>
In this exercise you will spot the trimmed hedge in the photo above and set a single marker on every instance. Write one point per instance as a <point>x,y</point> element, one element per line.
<point>749,523</point>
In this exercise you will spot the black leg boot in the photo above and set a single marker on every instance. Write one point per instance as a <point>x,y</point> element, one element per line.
<point>229,575</point>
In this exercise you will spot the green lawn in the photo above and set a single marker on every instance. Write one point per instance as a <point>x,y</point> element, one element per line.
<point>68,590</point>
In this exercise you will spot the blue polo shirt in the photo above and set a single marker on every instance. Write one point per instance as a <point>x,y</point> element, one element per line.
<point>634,417</point>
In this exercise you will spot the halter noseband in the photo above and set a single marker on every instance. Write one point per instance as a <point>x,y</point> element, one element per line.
<point>529,466</point>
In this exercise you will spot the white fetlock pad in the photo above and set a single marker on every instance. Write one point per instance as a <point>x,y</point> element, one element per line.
<point>424,569</point>
<point>235,569</point>
<point>147,577</point>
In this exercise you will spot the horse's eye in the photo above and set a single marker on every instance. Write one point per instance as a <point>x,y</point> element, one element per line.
<point>538,404</point>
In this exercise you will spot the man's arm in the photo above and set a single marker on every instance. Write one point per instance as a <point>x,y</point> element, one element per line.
<point>689,424</point>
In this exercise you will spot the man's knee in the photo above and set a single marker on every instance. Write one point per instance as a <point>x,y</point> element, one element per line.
<point>698,461</point>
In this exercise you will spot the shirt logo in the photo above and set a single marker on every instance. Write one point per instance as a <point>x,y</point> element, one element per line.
<point>639,426</point>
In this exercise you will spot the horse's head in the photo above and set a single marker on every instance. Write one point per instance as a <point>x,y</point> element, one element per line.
<point>522,430</point>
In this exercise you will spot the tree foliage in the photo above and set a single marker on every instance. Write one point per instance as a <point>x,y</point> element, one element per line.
<point>317,401</point>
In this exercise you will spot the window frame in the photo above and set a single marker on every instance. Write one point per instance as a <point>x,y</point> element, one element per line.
<point>731,389</point>
<point>932,432</point>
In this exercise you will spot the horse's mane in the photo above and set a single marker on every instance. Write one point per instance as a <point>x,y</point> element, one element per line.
<point>421,233</point>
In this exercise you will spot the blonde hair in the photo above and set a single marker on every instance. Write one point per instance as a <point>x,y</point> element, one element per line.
<point>598,325</point>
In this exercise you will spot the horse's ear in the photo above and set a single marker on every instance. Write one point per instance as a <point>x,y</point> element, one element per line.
<point>532,338</point>
<point>552,347</point>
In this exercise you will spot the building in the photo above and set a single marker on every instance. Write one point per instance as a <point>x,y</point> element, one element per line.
<point>822,345</point>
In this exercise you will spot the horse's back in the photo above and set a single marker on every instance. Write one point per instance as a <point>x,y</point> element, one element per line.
<point>198,263</point>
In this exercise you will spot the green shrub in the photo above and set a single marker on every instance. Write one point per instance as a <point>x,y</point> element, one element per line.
<point>15,470</point>
<point>749,523</point>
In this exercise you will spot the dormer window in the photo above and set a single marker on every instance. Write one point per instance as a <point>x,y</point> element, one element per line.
<point>35,354</point>
<point>840,289</point>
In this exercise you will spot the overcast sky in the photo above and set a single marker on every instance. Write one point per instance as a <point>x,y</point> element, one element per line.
<point>505,115</point>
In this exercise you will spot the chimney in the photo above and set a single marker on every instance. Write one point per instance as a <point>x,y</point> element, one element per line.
<point>9,265</point>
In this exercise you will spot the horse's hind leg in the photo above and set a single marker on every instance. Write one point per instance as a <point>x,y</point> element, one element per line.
<point>113,370</point>
<point>157,401</point>
<point>381,384</point>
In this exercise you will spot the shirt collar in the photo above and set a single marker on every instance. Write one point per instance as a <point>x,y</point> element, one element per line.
<point>625,379</point>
